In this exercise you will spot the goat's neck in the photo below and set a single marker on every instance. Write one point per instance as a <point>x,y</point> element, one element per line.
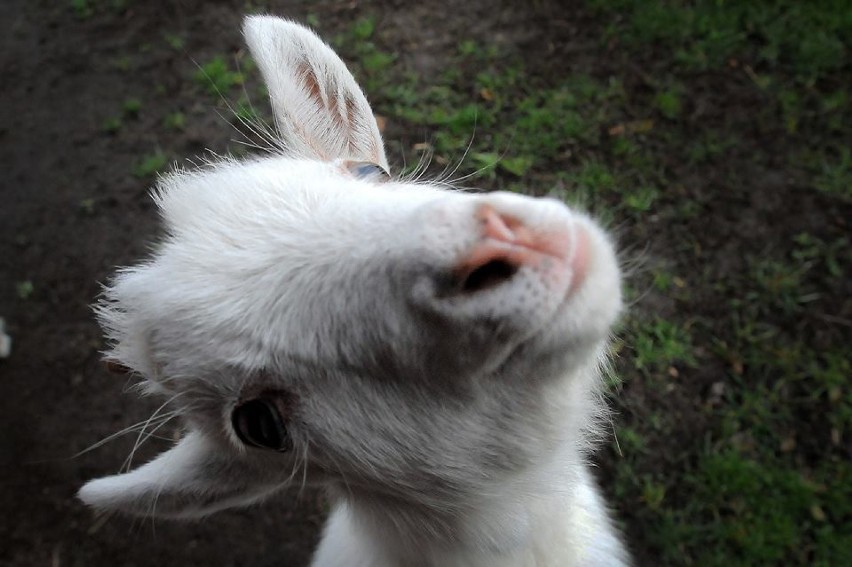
<point>504,519</point>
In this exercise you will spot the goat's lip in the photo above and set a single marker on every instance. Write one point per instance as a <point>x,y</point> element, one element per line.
<point>578,259</point>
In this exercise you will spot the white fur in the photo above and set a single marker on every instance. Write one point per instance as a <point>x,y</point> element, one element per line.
<point>449,428</point>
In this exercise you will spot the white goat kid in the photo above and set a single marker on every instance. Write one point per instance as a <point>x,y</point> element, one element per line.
<point>431,357</point>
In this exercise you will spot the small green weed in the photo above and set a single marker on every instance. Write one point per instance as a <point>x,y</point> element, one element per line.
<point>245,111</point>
<point>663,280</point>
<point>363,28</point>
<point>669,102</point>
<point>517,165</point>
<point>313,20</point>
<point>131,107</point>
<point>779,284</point>
<point>660,343</point>
<point>642,199</point>
<point>835,176</point>
<point>175,41</point>
<point>709,146</point>
<point>653,492</point>
<point>87,206</point>
<point>112,125</point>
<point>217,77</point>
<point>123,63</point>
<point>24,289</point>
<point>468,48</point>
<point>150,165</point>
<point>828,256</point>
<point>373,63</point>
<point>82,8</point>
<point>630,441</point>
<point>595,177</point>
<point>175,121</point>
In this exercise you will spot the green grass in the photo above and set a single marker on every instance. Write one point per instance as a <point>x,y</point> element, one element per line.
<point>245,110</point>
<point>24,289</point>
<point>508,126</point>
<point>834,177</point>
<point>669,102</point>
<point>87,206</point>
<point>131,107</point>
<point>112,125</point>
<point>175,41</point>
<point>217,77</point>
<point>807,39</point>
<point>85,9</point>
<point>658,344</point>
<point>763,508</point>
<point>82,8</point>
<point>123,63</point>
<point>150,165</point>
<point>175,121</point>
<point>373,63</point>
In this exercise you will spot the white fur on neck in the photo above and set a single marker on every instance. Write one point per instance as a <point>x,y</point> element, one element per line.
<point>548,515</point>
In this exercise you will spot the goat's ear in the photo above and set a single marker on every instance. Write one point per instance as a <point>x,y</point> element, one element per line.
<point>193,479</point>
<point>319,109</point>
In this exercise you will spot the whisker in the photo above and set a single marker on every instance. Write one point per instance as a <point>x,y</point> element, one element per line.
<point>130,429</point>
<point>464,155</point>
<point>141,437</point>
<point>456,182</point>
<point>258,130</point>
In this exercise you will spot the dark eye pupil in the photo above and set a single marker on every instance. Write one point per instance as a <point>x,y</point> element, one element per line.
<point>258,423</point>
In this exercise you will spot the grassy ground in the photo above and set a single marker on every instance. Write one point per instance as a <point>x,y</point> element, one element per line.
<point>713,138</point>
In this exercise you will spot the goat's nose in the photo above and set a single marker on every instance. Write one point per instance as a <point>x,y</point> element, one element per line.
<point>506,244</point>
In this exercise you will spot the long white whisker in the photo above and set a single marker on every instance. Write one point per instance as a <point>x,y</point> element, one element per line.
<point>130,429</point>
<point>143,437</point>
<point>139,438</point>
<point>257,125</point>
<point>253,128</point>
<point>464,156</point>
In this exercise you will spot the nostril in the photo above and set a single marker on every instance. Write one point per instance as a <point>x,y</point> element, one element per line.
<point>488,275</point>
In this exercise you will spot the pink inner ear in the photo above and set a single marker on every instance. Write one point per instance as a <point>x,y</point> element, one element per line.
<point>346,121</point>
<point>309,79</point>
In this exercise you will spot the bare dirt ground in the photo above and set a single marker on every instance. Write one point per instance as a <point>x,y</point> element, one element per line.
<point>72,209</point>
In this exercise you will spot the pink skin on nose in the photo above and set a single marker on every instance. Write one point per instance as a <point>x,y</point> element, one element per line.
<point>508,240</point>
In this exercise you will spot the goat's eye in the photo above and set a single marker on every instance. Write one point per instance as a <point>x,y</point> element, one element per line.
<point>367,170</point>
<point>258,423</point>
